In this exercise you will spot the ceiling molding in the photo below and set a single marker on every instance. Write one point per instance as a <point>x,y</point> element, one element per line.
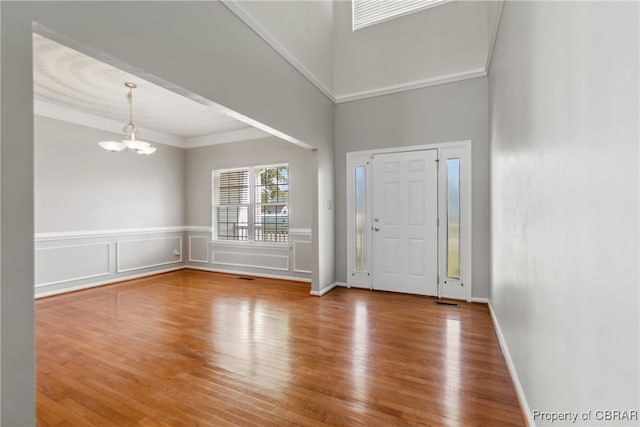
<point>418,84</point>
<point>225,137</point>
<point>48,108</point>
<point>235,7</point>
<point>254,25</point>
<point>54,110</point>
<point>494,34</point>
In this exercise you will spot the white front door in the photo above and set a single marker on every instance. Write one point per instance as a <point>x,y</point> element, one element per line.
<point>405,229</point>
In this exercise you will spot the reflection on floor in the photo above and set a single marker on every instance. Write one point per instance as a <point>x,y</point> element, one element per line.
<point>197,348</point>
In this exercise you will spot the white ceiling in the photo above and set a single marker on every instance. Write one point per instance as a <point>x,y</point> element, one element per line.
<point>67,81</point>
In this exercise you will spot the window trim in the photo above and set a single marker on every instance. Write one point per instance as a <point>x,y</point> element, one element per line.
<point>457,288</point>
<point>250,242</point>
<point>357,278</point>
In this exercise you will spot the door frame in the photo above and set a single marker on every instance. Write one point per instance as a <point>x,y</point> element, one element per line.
<point>458,149</point>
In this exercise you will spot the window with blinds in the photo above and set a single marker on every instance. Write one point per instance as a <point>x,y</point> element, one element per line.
<point>251,204</point>
<point>368,12</point>
<point>231,204</point>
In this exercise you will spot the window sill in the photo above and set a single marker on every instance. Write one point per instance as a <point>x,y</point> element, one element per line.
<point>247,244</point>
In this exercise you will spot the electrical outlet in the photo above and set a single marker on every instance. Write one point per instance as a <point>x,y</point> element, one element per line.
<point>176,252</point>
<point>329,204</point>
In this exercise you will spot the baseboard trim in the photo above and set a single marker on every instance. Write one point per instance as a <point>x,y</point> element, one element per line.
<point>323,291</point>
<point>524,405</point>
<point>244,273</point>
<point>166,270</point>
<point>480,300</point>
<point>105,282</point>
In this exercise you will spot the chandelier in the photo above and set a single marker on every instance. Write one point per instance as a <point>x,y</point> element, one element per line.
<point>129,133</point>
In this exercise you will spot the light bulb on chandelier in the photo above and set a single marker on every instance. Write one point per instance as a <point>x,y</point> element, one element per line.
<point>129,133</point>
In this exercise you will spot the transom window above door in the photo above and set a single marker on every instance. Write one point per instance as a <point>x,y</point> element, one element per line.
<point>251,203</point>
<point>369,12</point>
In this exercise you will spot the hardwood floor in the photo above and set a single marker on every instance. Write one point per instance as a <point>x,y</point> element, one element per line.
<point>193,348</point>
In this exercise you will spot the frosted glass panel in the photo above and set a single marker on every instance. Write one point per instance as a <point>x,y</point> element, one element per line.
<point>453,218</point>
<point>361,217</point>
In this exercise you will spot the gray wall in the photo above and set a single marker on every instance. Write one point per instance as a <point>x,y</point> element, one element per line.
<point>564,155</point>
<point>100,216</point>
<point>430,44</point>
<point>81,187</point>
<point>451,112</point>
<point>201,161</point>
<point>303,28</point>
<point>239,71</point>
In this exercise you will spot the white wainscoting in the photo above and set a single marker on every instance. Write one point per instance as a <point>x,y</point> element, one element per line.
<point>288,260</point>
<point>249,259</point>
<point>145,253</point>
<point>77,260</point>
<point>198,249</point>
<point>69,263</point>
<point>302,257</point>
<point>66,261</point>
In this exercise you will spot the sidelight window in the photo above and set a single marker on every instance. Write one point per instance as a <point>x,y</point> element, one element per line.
<point>453,218</point>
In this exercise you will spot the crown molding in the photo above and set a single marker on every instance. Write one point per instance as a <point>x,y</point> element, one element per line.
<point>225,137</point>
<point>235,7</point>
<point>418,84</point>
<point>254,25</point>
<point>494,34</point>
<point>47,108</point>
<point>54,110</point>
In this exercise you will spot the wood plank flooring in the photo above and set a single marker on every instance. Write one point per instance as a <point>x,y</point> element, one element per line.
<point>192,348</point>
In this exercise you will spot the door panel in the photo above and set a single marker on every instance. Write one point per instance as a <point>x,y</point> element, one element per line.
<point>417,247</point>
<point>405,222</point>
<point>390,248</point>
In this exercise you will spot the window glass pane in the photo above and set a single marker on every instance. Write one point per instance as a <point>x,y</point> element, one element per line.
<point>272,184</point>
<point>453,218</point>
<point>361,217</point>
<point>271,223</point>
<point>271,212</point>
<point>231,222</point>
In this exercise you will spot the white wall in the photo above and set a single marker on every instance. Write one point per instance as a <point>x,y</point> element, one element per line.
<point>444,113</point>
<point>302,29</point>
<point>81,187</point>
<point>431,44</point>
<point>238,70</point>
<point>565,192</point>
